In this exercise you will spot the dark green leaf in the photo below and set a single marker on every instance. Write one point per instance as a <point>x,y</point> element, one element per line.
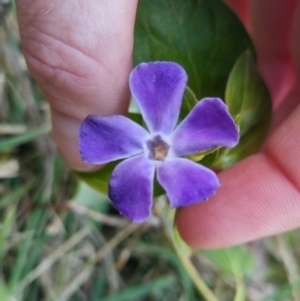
<point>188,102</point>
<point>209,158</point>
<point>136,117</point>
<point>248,99</point>
<point>100,178</point>
<point>205,37</point>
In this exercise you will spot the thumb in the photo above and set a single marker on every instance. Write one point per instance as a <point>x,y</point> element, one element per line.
<point>79,52</point>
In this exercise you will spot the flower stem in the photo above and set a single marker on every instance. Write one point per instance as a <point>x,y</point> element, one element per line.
<point>240,293</point>
<point>201,286</point>
<point>185,260</point>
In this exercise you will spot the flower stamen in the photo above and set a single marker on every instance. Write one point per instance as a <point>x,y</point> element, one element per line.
<point>158,149</point>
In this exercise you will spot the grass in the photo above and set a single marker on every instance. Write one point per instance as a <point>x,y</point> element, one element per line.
<point>60,240</point>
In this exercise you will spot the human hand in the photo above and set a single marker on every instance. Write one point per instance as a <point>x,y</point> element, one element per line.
<point>260,196</point>
<point>80,54</point>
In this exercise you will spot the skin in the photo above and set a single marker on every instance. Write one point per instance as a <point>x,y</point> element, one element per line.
<point>80,54</point>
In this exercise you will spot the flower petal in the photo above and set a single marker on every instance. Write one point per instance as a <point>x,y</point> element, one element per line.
<point>131,188</point>
<point>186,182</point>
<point>207,126</point>
<point>158,89</point>
<point>103,139</point>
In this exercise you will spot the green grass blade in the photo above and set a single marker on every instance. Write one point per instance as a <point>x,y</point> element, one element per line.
<point>15,141</point>
<point>4,292</point>
<point>14,196</point>
<point>5,228</point>
<point>28,252</point>
<point>142,290</point>
<point>168,255</point>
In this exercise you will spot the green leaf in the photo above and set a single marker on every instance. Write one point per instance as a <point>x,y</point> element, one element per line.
<point>209,157</point>
<point>89,197</point>
<point>188,102</point>
<point>247,98</point>
<point>205,37</point>
<point>247,95</point>
<point>100,178</point>
<point>205,157</point>
<point>136,117</point>
<point>236,261</point>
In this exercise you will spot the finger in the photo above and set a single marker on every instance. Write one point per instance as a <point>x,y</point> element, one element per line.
<point>271,30</point>
<point>80,54</point>
<point>291,100</point>
<point>296,43</point>
<point>270,25</point>
<point>260,196</point>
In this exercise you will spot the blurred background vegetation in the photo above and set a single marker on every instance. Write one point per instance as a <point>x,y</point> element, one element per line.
<point>60,240</point>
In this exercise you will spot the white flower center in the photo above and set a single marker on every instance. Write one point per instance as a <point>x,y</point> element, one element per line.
<point>158,148</point>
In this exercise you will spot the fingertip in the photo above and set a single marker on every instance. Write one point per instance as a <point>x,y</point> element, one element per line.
<point>255,200</point>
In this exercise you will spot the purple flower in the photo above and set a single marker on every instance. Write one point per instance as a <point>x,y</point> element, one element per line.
<point>158,89</point>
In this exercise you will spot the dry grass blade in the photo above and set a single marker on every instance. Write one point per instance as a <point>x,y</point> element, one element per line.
<point>83,275</point>
<point>2,85</point>
<point>118,238</point>
<point>97,216</point>
<point>75,284</point>
<point>50,260</point>
<point>16,68</point>
<point>11,129</point>
<point>9,168</point>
